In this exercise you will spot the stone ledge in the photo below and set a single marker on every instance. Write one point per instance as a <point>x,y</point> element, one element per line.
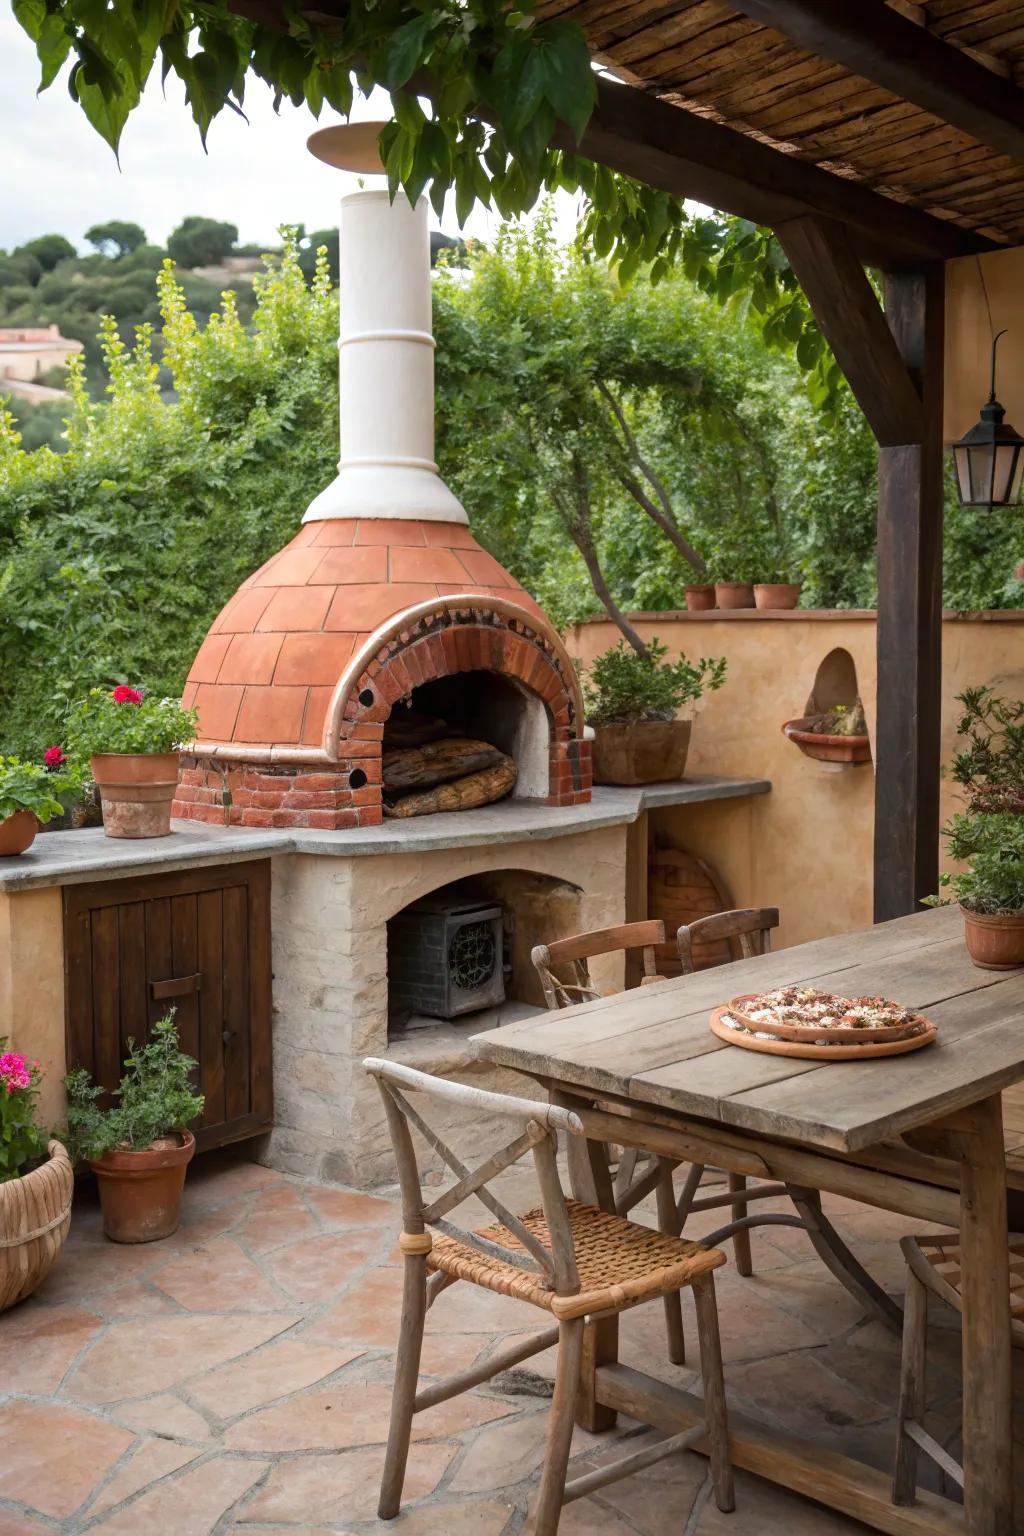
<point>68,858</point>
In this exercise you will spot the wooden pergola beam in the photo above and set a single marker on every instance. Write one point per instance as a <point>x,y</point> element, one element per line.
<point>668,147</point>
<point>874,41</point>
<point>852,322</point>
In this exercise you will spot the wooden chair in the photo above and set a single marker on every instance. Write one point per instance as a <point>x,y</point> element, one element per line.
<point>571,1261</point>
<point>933,1264</point>
<point>571,955</point>
<point>747,931</point>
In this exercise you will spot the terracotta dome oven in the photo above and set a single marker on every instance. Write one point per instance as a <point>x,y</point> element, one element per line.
<point>383,610</point>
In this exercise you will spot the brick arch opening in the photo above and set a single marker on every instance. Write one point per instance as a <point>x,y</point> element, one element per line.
<point>462,636</point>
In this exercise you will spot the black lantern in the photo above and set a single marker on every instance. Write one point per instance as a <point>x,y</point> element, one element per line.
<point>988,458</point>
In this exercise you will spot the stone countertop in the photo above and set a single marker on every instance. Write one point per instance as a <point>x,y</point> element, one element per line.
<point>67,858</point>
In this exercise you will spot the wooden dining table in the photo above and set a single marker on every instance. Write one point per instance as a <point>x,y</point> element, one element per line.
<point>920,1134</point>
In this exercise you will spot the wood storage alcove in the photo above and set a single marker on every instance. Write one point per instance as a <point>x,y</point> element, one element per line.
<point>199,942</point>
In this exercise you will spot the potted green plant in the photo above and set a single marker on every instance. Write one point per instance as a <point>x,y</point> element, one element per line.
<point>632,699</point>
<point>988,835</point>
<point>700,596</point>
<point>776,590</point>
<point>132,739</point>
<point>837,735</point>
<point>36,1183</point>
<point>141,1147</point>
<point>29,796</point>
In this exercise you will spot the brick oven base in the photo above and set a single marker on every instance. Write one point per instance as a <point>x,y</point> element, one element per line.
<point>229,794</point>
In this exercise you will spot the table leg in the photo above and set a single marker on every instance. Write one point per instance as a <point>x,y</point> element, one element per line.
<point>591,1182</point>
<point>988,1391</point>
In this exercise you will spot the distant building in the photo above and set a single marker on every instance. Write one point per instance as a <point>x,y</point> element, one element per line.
<point>28,351</point>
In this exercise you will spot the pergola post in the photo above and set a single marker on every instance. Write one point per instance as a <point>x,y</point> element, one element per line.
<point>893,362</point>
<point>909,629</point>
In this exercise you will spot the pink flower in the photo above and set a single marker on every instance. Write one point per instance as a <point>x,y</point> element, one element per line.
<point>14,1072</point>
<point>122,694</point>
<point>54,758</point>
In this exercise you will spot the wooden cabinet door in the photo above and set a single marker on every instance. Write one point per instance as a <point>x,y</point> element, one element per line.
<point>197,941</point>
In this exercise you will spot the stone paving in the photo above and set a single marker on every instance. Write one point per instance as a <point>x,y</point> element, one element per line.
<point>236,1378</point>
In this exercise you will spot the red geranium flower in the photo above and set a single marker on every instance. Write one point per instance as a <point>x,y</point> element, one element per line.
<point>122,694</point>
<point>54,757</point>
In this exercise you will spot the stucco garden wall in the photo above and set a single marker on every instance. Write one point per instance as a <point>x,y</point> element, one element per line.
<point>808,846</point>
<point>32,988</point>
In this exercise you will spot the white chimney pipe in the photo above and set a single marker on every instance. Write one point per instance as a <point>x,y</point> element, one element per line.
<point>386,368</point>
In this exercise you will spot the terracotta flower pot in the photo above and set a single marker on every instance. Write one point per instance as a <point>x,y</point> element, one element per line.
<point>137,791</point>
<point>700,597</point>
<point>734,594</point>
<point>140,1192</point>
<point>995,941</point>
<point>35,1215</point>
<point>826,748</point>
<point>776,594</point>
<point>17,833</point>
<point>641,751</point>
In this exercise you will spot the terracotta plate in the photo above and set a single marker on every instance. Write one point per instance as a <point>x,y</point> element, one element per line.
<point>737,1005</point>
<point>810,1051</point>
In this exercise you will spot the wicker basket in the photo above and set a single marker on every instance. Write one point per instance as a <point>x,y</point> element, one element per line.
<point>35,1214</point>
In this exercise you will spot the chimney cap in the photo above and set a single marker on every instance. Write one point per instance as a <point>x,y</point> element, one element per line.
<point>349,147</point>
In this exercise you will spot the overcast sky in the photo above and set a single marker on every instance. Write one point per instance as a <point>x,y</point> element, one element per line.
<point>58,176</point>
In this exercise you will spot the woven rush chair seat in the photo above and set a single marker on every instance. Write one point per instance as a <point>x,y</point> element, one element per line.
<point>619,1262</point>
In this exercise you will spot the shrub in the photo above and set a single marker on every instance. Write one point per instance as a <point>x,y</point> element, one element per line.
<point>128,719</point>
<point>32,787</point>
<point>155,1097</point>
<point>993,844</point>
<point>627,685</point>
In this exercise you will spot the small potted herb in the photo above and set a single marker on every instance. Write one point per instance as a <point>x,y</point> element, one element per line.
<point>632,699</point>
<point>132,739</point>
<point>837,735</point>
<point>36,1184</point>
<point>140,1148</point>
<point>29,795</point>
<point>988,835</point>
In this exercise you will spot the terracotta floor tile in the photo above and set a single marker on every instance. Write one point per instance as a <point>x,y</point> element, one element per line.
<point>821,1402</point>
<point>658,1501</point>
<point>368,1313</point>
<point>137,1358</point>
<point>136,1298</point>
<point>279,1216</point>
<point>345,1208</point>
<point>218,1277</point>
<point>190,1504</point>
<point>344,1486</point>
<point>39,1344</point>
<point>487,1517</point>
<point>22,1525</point>
<point>506,1453</point>
<point>316,1268</point>
<point>165,1415</point>
<point>153,1459</point>
<point>54,1456</point>
<point>274,1371</point>
<point>349,1415</point>
<point>762,1509</point>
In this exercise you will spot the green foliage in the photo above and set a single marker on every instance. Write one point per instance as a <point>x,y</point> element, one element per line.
<point>993,845</point>
<point>117,237</point>
<point>128,720</point>
<point>155,1097</point>
<point>31,787</point>
<point>22,1140</point>
<point>990,768</point>
<point>989,835</point>
<point>48,250</point>
<point>116,555</point>
<point>199,242</point>
<point>627,685</point>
